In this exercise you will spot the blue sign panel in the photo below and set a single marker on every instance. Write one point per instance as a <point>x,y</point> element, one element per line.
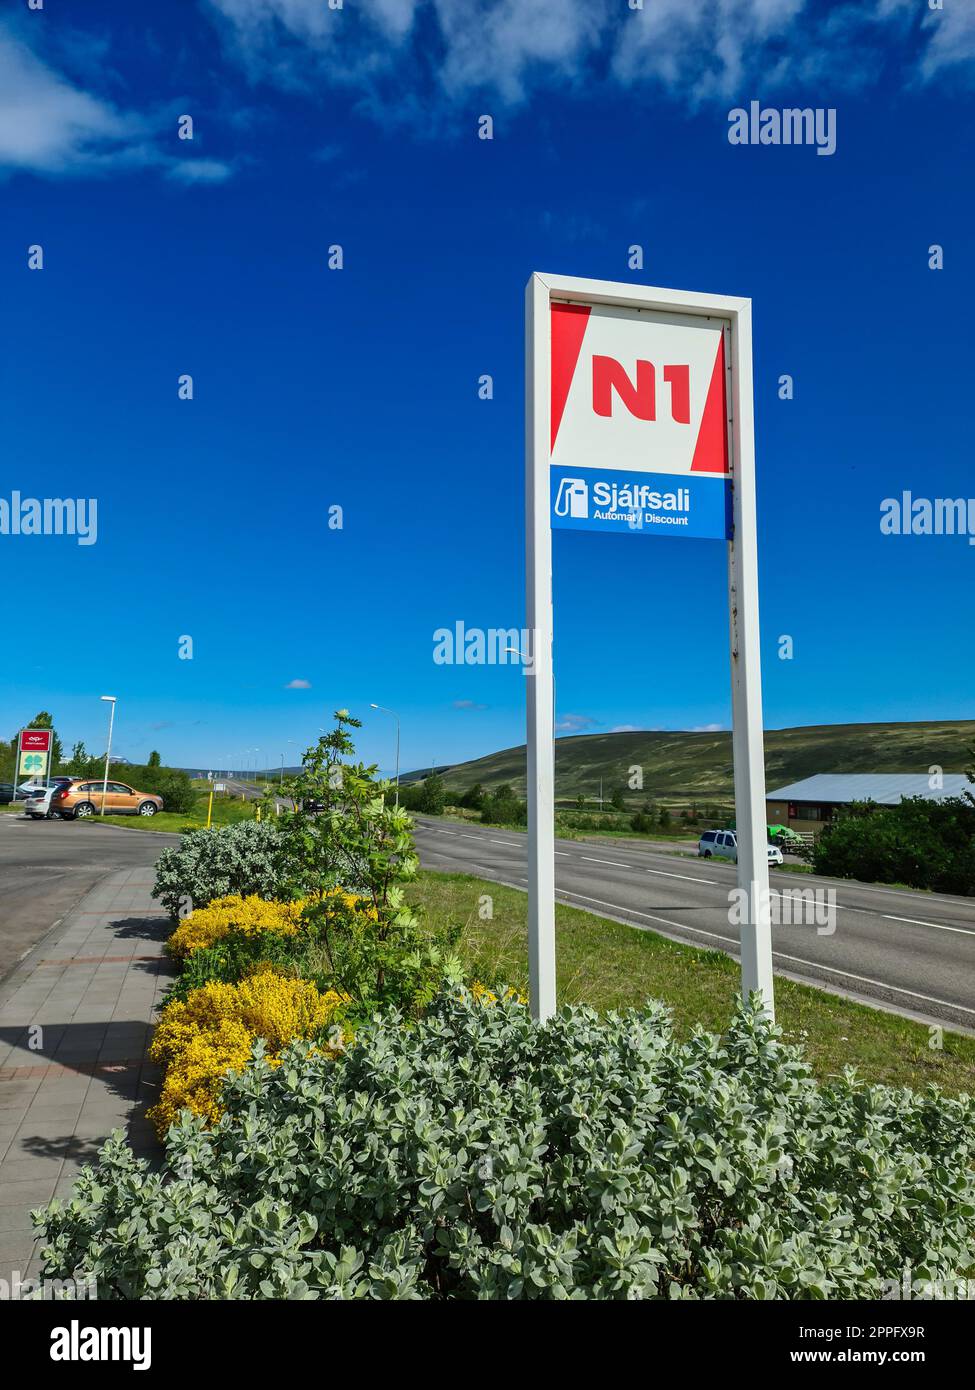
<point>656,504</point>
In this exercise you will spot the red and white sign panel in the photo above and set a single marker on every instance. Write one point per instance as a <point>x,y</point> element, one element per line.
<point>638,391</point>
<point>35,740</point>
<point>639,422</point>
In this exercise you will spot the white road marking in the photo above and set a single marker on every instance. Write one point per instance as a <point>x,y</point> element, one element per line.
<point>916,922</point>
<point>687,877</point>
<point>881,984</point>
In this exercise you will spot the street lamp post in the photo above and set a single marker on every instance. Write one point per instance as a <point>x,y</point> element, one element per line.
<point>384,710</point>
<point>111,699</point>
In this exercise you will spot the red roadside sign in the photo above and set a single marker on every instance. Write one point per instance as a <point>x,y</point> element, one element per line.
<point>35,740</point>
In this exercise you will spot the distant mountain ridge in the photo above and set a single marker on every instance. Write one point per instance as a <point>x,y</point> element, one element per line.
<point>682,764</point>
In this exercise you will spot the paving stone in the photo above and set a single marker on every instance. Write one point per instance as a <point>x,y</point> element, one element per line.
<point>15,1218</point>
<point>16,1248</point>
<point>94,990</point>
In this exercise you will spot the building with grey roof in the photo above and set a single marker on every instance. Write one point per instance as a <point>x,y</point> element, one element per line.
<point>813,802</point>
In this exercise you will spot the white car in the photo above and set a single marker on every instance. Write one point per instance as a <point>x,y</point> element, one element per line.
<point>723,844</point>
<point>38,802</point>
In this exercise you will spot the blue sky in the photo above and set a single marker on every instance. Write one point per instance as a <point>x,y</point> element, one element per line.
<point>358,388</point>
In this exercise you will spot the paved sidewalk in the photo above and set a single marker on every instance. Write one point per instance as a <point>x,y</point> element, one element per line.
<point>75,1021</point>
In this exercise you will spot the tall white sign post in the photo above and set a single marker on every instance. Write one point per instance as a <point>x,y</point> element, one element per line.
<point>639,419</point>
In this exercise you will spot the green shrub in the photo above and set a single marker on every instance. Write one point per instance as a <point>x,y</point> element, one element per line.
<point>244,858</point>
<point>479,1155</point>
<point>502,807</point>
<point>927,844</point>
<point>175,787</point>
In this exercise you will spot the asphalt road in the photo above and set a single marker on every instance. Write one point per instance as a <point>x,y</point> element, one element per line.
<point>46,866</point>
<point>914,952</point>
<point>911,951</point>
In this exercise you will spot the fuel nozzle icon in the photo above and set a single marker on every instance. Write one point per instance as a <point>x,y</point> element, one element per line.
<point>572,499</point>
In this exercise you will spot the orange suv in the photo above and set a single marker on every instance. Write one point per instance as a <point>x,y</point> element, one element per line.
<point>83,797</point>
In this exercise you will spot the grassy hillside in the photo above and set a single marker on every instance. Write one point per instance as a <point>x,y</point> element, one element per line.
<point>695,766</point>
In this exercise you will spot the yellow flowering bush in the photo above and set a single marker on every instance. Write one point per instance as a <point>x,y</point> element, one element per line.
<point>213,1032</point>
<point>482,995</point>
<point>252,915</point>
<point>249,916</point>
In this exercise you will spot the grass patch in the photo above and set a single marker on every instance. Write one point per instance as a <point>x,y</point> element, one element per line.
<point>612,966</point>
<point>227,810</point>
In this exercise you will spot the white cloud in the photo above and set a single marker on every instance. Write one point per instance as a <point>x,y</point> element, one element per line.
<point>574,723</point>
<point>298,685</point>
<point>707,49</point>
<point>625,729</point>
<point>199,171</point>
<point>468,704</point>
<point>951,33</point>
<point>706,729</point>
<point>416,50</point>
<point>50,126</point>
<point>514,40</point>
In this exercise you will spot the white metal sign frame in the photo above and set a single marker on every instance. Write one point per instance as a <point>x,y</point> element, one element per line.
<point>746,676</point>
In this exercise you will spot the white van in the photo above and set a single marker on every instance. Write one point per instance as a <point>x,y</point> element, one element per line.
<point>723,844</point>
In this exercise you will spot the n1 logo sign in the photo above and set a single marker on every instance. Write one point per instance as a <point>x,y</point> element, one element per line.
<point>608,376</point>
<point>639,422</point>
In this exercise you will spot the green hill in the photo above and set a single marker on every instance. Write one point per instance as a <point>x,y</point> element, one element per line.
<point>692,766</point>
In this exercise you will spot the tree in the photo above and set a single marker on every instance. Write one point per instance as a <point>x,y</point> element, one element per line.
<point>349,851</point>
<point>580,802</point>
<point>82,764</point>
<point>434,796</point>
<point>616,800</point>
<point>664,818</point>
<point>154,759</point>
<point>473,800</point>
